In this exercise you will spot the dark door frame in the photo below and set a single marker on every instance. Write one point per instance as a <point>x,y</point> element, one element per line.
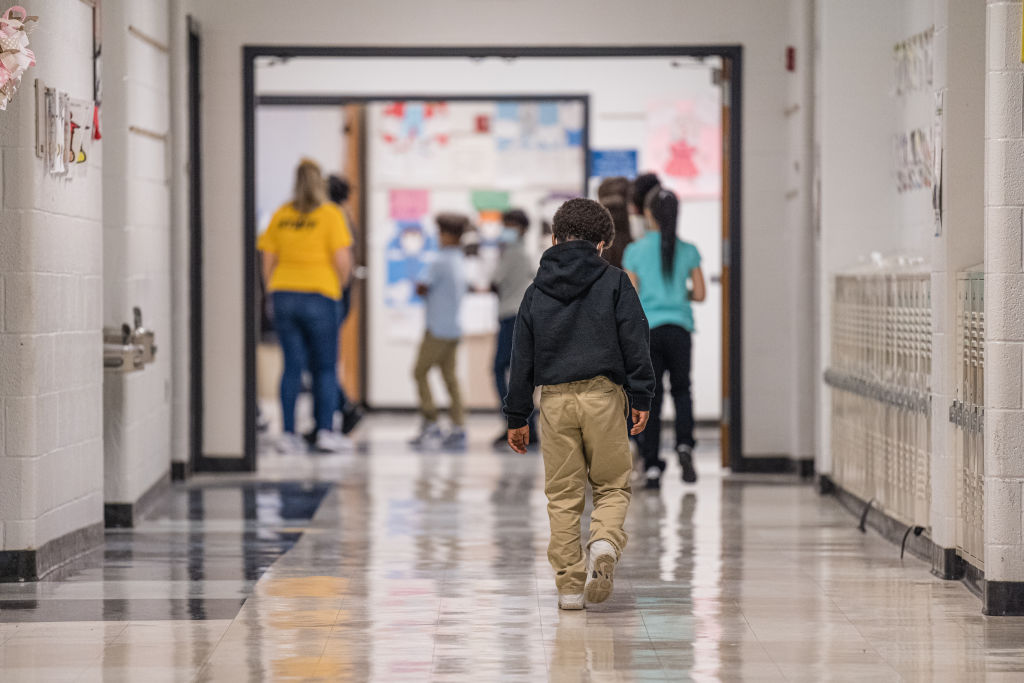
<point>732,53</point>
<point>195,213</point>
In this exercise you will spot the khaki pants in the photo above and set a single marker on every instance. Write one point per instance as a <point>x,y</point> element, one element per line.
<point>584,437</point>
<point>439,352</point>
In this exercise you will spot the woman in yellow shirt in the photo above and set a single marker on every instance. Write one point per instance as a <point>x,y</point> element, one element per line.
<point>306,258</point>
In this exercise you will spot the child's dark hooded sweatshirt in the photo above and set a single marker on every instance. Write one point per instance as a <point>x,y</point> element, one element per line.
<point>579,319</point>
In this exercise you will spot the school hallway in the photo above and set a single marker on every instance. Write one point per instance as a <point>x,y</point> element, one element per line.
<point>432,567</point>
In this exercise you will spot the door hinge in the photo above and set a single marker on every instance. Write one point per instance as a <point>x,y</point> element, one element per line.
<point>726,254</point>
<point>725,411</point>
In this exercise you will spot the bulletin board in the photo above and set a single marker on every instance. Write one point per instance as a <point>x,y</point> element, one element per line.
<point>476,156</point>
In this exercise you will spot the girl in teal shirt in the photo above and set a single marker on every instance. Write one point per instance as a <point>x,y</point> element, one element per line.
<point>663,268</point>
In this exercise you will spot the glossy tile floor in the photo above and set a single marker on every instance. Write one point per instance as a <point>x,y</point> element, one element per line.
<point>432,568</point>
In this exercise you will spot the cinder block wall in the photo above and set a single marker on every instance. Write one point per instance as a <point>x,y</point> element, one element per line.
<point>51,262</point>
<point>137,241</point>
<point>959,76</point>
<point>1004,298</point>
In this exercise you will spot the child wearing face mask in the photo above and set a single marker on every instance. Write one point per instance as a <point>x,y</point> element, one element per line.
<point>512,278</point>
<point>442,284</point>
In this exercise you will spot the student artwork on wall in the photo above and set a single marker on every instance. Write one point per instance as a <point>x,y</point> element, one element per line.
<point>912,159</point>
<point>684,146</point>
<point>913,63</point>
<point>66,130</point>
<point>508,143</point>
<point>475,157</point>
<point>411,241</point>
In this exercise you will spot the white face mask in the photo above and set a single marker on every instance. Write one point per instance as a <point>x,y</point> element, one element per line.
<point>508,236</point>
<point>412,243</point>
<point>637,226</point>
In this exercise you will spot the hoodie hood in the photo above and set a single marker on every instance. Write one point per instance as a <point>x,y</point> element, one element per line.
<point>568,270</point>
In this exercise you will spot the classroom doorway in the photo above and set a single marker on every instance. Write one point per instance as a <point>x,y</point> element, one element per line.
<point>346,90</point>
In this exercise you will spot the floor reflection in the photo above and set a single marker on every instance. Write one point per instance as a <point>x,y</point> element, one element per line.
<point>432,568</point>
<point>195,556</point>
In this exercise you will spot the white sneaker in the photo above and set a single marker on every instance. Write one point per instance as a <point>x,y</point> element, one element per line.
<point>571,601</point>
<point>600,572</point>
<point>289,443</point>
<point>332,442</point>
<point>429,438</point>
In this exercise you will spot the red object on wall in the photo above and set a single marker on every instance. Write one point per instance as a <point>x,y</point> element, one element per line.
<point>790,58</point>
<point>483,123</point>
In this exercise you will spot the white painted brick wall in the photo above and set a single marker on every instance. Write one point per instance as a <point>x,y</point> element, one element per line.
<point>137,244</point>
<point>1003,246</point>
<point>1004,295</point>
<point>1004,390</point>
<point>51,264</point>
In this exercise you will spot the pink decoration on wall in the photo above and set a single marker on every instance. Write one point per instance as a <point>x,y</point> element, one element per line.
<point>15,57</point>
<point>408,205</point>
<point>684,146</point>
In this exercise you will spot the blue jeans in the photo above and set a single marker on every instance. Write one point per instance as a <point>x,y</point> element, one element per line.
<point>344,308</point>
<point>503,362</point>
<point>307,328</point>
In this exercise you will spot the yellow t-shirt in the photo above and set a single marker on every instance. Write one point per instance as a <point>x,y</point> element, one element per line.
<point>305,246</point>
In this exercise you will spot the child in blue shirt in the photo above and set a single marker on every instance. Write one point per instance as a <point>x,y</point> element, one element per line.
<point>442,286</point>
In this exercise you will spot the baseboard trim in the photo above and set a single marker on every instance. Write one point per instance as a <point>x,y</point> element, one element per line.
<point>889,528</point>
<point>776,464</point>
<point>124,515</point>
<point>180,471</point>
<point>1004,598</point>
<point>948,565</point>
<point>999,598</point>
<point>35,563</point>
<point>216,464</point>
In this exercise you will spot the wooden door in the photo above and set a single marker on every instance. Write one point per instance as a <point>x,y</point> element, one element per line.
<point>726,163</point>
<point>352,353</point>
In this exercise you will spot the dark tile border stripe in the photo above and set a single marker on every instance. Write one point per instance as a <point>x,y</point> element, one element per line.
<point>34,564</point>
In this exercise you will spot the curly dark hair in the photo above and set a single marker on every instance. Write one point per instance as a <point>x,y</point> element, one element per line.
<point>583,219</point>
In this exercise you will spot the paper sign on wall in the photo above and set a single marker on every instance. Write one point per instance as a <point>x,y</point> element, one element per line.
<point>409,204</point>
<point>496,200</point>
<point>609,163</point>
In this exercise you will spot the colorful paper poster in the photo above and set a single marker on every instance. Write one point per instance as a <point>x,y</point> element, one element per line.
<point>408,205</point>
<point>508,111</point>
<point>408,252</point>
<point>684,146</point>
<point>547,114</point>
<point>610,163</point>
<point>495,200</point>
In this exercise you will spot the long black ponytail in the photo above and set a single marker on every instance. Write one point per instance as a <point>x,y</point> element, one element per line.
<point>664,208</point>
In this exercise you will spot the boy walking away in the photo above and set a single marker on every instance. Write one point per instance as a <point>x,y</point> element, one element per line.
<point>582,336</point>
<point>442,285</point>
<point>511,279</point>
